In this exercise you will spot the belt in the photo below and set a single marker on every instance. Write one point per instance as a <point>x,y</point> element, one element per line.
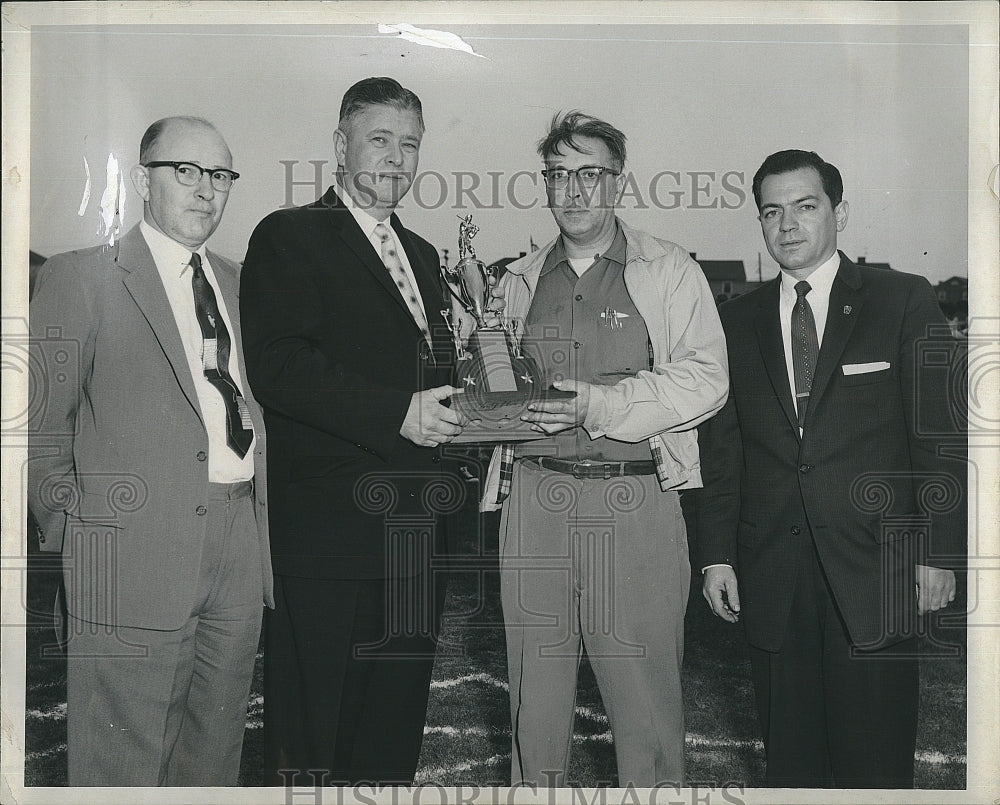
<point>237,489</point>
<point>594,470</point>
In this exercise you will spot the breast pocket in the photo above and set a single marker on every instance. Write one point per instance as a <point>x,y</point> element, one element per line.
<point>867,378</point>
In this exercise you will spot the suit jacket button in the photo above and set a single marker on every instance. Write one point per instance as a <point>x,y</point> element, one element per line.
<point>796,530</point>
<point>202,455</point>
<point>805,467</point>
<point>435,459</point>
<point>201,510</point>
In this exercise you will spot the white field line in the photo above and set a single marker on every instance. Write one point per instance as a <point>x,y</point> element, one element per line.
<point>466,732</point>
<point>429,775</point>
<point>486,679</point>
<point>52,683</point>
<point>52,751</point>
<point>55,713</point>
<point>937,758</point>
<point>256,706</point>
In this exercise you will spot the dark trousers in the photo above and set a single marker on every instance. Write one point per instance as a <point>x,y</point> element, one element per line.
<point>347,668</point>
<point>833,716</point>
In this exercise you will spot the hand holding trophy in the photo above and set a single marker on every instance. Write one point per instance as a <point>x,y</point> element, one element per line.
<point>499,380</point>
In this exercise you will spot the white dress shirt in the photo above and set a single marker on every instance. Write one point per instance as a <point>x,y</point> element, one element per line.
<point>821,282</point>
<point>173,264</point>
<point>368,224</point>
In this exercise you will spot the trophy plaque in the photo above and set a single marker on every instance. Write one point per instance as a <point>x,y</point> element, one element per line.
<point>498,379</point>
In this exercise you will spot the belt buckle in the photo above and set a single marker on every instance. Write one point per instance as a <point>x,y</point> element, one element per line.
<point>581,470</point>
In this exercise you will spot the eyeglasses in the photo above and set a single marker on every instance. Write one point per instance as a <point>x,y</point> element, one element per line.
<point>189,174</point>
<point>588,175</point>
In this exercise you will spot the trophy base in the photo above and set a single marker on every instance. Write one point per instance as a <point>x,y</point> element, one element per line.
<point>496,415</point>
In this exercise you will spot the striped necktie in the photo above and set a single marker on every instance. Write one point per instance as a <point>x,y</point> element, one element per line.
<point>805,349</point>
<point>216,346</point>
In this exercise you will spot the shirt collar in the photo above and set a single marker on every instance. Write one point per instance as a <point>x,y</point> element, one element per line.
<point>615,252</point>
<point>365,219</point>
<point>820,281</point>
<point>167,252</point>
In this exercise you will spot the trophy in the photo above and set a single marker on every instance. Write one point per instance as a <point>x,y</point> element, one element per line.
<point>498,379</point>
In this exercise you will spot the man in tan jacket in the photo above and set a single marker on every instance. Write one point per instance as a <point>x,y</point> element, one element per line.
<point>593,547</point>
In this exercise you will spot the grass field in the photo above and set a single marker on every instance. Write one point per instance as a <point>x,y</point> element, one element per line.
<point>467,737</point>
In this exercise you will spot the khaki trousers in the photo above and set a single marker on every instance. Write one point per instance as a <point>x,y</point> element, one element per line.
<point>601,565</point>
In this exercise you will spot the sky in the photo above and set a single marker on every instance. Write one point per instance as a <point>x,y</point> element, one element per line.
<point>701,106</point>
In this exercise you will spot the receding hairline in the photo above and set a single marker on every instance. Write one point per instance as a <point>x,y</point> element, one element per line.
<point>155,132</point>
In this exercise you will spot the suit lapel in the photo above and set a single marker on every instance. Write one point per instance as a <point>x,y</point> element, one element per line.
<point>772,350</point>
<point>350,233</point>
<point>142,281</point>
<point>846,300</point>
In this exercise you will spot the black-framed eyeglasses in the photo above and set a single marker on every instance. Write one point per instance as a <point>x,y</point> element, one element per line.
<point>588,175</point>
<point>189,174</point>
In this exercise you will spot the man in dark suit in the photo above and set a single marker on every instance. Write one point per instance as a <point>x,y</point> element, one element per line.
<point>832,490</point>
<point>338,302</point>
<point>147,472</point>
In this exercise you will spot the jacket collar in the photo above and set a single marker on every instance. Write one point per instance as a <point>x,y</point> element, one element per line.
<point>132,254</point>
<point>142,281</point>
<point>639,246</point>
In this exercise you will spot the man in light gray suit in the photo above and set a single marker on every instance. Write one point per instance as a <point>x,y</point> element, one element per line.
<point>147,471</point>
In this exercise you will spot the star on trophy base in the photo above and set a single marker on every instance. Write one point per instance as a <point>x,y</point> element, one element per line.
<point>498,380</point>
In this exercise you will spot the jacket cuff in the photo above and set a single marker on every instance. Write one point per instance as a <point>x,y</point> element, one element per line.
<point>597,412</point>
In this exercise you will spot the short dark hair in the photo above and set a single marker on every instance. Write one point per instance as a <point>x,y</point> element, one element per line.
<point>793,160</point>
<point>565,128</point>
<point>155,131</point>
<point>379,90</point>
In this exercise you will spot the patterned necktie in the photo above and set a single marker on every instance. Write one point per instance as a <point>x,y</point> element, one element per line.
<point>805,349</point>
<point>215,360</point>
<point>391,260</point>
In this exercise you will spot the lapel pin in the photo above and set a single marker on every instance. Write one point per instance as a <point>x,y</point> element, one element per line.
<point>847,310</point>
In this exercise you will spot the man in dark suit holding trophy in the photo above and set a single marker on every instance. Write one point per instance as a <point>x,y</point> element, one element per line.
<point>337,301</point>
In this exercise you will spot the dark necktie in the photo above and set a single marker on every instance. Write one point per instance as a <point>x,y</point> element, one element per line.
<point>215,360</point>
<point>805,349</point>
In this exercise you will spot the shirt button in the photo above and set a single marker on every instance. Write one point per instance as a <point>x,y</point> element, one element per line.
<point>435,459</point>
<point>577,345</point>
<point>202,455</point>
<point>803,468</point>
<point>200,511</point>
<point>579,297</point>
<point>796,530</point>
